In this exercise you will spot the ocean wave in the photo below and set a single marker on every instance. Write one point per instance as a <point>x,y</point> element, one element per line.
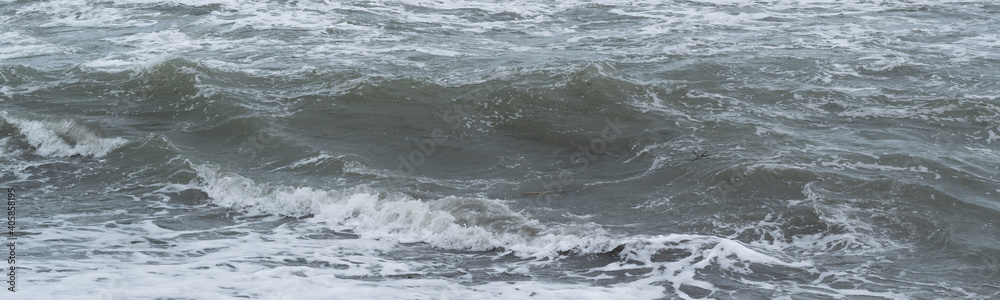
<point>62,137</point>
<point>478,224</point>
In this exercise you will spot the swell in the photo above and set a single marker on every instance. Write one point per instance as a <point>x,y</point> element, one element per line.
<point>529,121</point>
<point>548,115</point>
<point>523,127</point>
<point>269,120</point>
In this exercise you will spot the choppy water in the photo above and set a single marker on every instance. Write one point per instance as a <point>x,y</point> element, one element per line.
<point>200,149</point>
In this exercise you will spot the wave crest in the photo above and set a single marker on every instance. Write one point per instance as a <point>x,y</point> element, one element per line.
<point>62,138</point>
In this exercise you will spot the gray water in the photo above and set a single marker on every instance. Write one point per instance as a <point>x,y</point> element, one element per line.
<point>206,149</point>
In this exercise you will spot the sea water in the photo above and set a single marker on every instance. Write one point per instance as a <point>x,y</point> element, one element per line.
<point>567,149</point>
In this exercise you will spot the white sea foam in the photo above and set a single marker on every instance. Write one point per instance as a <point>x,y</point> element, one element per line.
<point>123,263</point>
<point>328,33</point>
<point>114,259</point>
<point>13,45</point>
<point>476,224</point>
<point>60,138</point>
<point>449,223</point>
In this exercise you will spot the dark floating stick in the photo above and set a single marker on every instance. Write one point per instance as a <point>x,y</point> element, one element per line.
<point>697,156</point>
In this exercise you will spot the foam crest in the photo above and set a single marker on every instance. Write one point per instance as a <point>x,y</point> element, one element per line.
<point>455,222</point>
<point>472,224</point>
<point>683,260</point>
<point>451,223</point>
<point>62,138</point>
